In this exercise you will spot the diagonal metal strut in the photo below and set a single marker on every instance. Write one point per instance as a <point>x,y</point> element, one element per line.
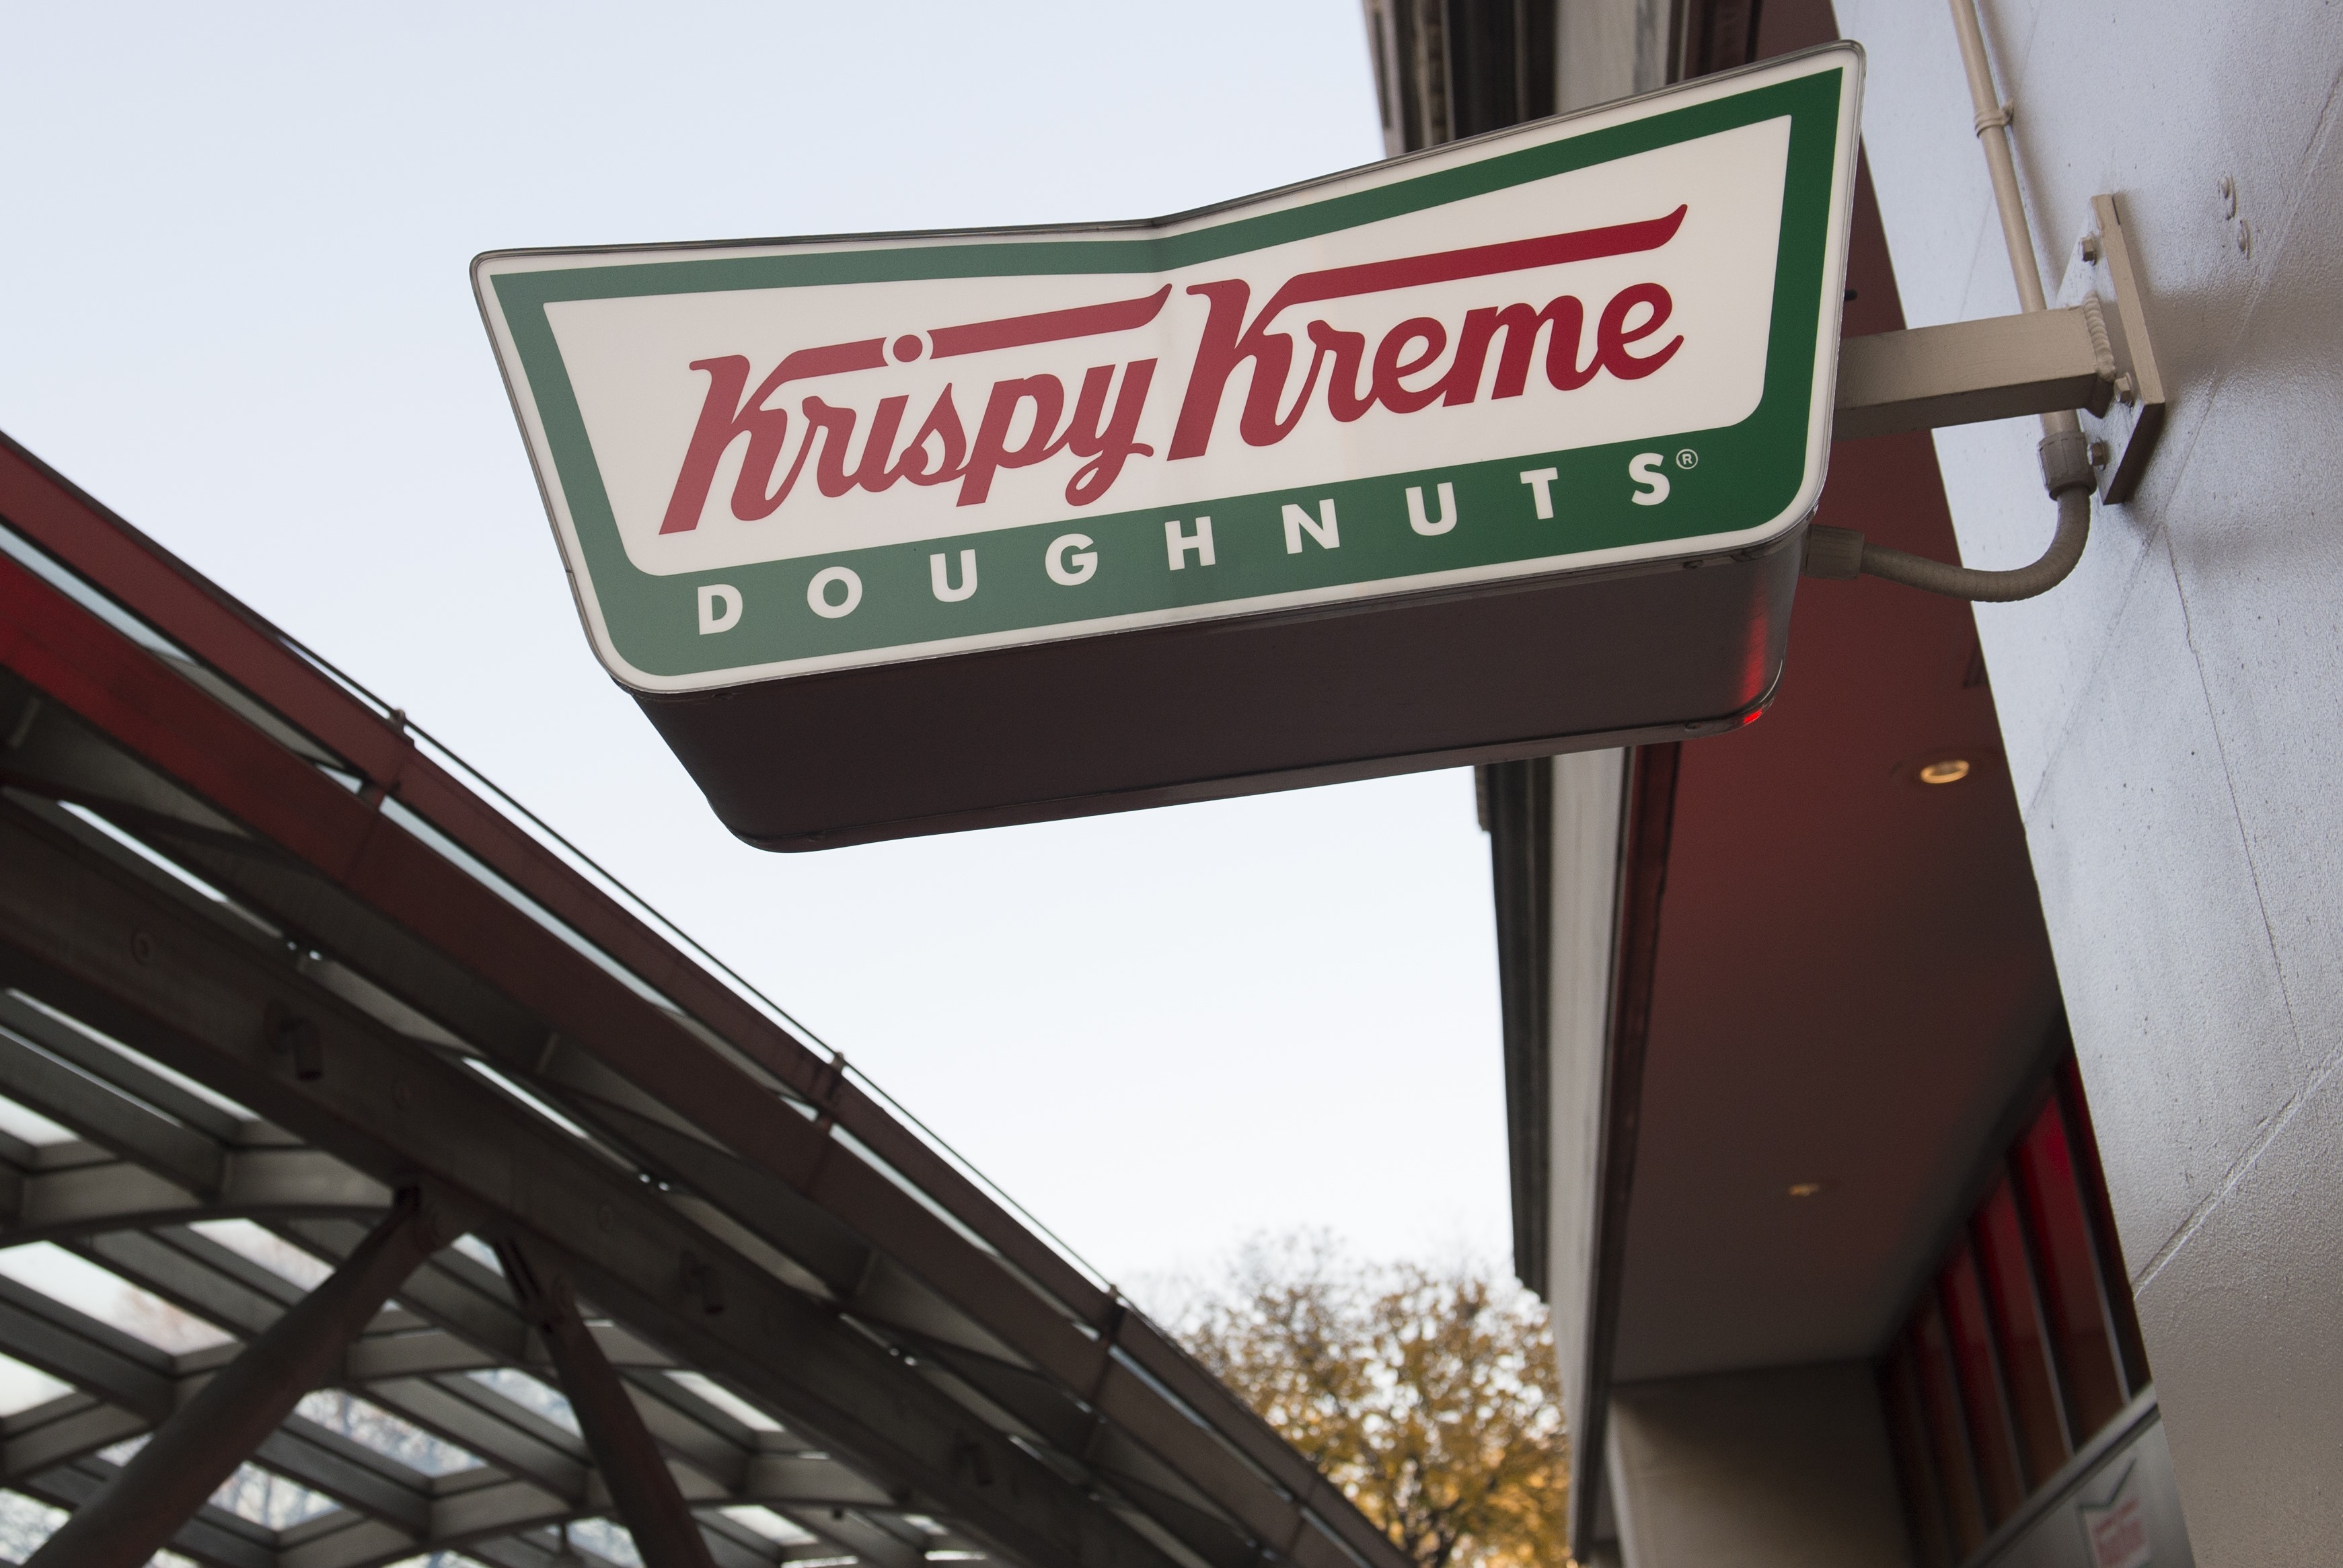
<point>136,1514</point>
<point>653,1509</point>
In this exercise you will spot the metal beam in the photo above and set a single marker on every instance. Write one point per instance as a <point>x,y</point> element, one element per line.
<point>450,1292</point>
<point>483,1508</point>
<point>94,1357</point>
<point>231,1299</point>
<point>112,1372</point>
<point>708,1450</point>
<point>136,1512</point>
<point>127,1387</point>
<point>375,866</point>
<point>107,1116</point>
<point>61,1430</point>
<point>648,1504</point>
<point>211,1535</point>
<point>350,1539</point>
<point>122,1194</point>
<point>425,1352</point>
<point>1997,368</point>
<point>319,833</point>
<point>348,1471</point>
<point>196,1000</point>
<point>460,1411</point>
<point>390,1516</point>
<point>795,1157</point>
<point>500,1508</point>
<point>72,1046</point>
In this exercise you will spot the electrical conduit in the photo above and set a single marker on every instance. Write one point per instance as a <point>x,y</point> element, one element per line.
<point>1843,553</point>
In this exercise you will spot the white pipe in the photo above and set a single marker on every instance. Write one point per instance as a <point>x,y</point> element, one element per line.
<point>1993,135</point>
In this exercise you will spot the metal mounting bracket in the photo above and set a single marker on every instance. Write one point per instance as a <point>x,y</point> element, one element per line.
<point>2091,354</point>
<point>2104,270</point>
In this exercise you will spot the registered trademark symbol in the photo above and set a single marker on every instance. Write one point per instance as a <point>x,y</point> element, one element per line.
<point>1687,459</point>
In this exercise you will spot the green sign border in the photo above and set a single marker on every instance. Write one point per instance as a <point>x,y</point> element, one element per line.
<point>1724,481</point>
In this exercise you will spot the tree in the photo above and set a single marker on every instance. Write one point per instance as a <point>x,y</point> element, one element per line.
<point>1428,1395</point>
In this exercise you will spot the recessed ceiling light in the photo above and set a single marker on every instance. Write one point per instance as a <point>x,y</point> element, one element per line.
<point>1948,770</point>
<point>1806,1189</point>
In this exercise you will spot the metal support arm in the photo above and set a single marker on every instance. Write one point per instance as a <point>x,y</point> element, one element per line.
<point>649,1503</point>
<point>1997,368</point>
<point>2034,362</point>
<point>2092,354</point>
<point>136,1514</point>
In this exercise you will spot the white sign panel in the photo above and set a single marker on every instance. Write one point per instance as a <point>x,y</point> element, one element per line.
<point>1587,342</point>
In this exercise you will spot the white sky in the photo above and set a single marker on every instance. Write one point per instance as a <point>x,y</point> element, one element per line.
<point>234,306</point>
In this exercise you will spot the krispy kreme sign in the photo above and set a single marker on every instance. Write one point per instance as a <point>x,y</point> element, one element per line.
<point>1585,344</point>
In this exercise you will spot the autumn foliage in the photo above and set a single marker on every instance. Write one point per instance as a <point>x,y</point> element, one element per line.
<point>1428,1395</point>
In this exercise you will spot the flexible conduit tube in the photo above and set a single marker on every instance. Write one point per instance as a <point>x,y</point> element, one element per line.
<point>2065,455</point>
<point>1993,587</point>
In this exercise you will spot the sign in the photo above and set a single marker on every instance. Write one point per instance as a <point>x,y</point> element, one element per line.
<point>2117,1528</point>
<point>1583,348</point>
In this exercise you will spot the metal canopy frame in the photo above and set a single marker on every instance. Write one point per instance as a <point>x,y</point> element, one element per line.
<point>223,866</point>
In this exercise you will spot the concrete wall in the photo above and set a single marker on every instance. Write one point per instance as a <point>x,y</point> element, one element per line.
<point>1607,49</point>
<point>1602,52</point>
<point>1779,1469</point>
<point>2173,714</point>
<point>1589,792</point>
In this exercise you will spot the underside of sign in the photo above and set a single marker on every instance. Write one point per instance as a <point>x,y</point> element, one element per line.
<point>1492,451</point>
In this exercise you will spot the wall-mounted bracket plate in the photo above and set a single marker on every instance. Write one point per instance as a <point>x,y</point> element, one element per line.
<point>2104,266</point>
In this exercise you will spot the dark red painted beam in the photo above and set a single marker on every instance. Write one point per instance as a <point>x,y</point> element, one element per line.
<point>120,688</point>
<point>222,633</point>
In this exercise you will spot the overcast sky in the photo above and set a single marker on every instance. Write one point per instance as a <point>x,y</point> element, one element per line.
<point>233,305</point>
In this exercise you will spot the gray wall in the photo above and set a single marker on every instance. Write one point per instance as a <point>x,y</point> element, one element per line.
<point>1589,794</point>
<point>1606,49</point>
<point>2171,714</point>
<point>1780,1469</point>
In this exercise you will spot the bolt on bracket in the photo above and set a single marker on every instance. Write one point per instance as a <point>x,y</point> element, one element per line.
<point>2091,354</point>
<point>2104,271</point>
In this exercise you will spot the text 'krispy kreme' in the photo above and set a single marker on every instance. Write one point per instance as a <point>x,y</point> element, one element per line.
<point>1594,343</point>
<point>1295,367</point>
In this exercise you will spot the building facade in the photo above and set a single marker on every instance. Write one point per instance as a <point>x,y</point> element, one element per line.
<point>1924,1115</point>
